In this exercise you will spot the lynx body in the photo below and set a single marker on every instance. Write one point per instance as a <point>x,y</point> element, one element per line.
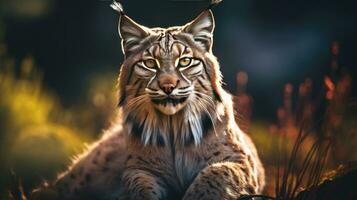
<point>177,137</point>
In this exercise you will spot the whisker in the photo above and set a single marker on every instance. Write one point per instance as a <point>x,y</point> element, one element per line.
<point>151,90</point>
<point>184,93</point>
<point>207,98</point>
<point>208,113</point>
<point>179,95</point>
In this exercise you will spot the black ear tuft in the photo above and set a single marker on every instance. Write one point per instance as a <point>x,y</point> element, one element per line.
<point>117,7</point>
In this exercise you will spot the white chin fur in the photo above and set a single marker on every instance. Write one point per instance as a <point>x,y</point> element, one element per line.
<point>169,108</point>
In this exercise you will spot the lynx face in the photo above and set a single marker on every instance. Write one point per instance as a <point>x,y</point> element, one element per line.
<point>166,73</point>
<point>170,82</point>
<point>171,75</point>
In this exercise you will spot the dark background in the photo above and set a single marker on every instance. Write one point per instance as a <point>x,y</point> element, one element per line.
<point>49,110</point>
<point>274,41</point>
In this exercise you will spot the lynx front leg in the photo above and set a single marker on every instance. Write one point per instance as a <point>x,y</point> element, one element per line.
<point>143,185</point>
<point>227,180</point>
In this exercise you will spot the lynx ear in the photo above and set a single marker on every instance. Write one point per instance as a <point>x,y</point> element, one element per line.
<point>131,34</point>
<point>201,29</point>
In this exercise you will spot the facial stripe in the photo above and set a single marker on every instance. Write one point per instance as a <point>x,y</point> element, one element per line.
<point>151,80</point>
<point>196,73</point>
<point>139,87</point>
<point>185,78</point>
<point>182,51</point>
<point>137,81</point>
<point>202,84</point>
<point>130,76</point>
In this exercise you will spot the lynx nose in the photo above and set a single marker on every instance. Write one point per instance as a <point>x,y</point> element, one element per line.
<point>168,88</point>
<point>168,84</point>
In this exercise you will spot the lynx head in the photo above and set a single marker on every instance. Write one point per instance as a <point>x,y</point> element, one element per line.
<point>169,73</point>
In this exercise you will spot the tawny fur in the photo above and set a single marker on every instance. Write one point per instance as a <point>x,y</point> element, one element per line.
<point>152,155</point>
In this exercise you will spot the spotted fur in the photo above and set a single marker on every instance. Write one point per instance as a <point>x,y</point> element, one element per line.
<point>176,137</point>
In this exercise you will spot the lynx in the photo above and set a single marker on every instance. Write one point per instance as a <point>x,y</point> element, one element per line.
<point>177,137</point>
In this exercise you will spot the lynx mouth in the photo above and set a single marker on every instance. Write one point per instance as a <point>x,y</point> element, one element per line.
<point>169,100</point>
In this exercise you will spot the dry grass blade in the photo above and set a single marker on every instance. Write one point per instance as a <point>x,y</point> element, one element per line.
<point>292,161</point>
<point>310,170</point>
<point>16,191</point>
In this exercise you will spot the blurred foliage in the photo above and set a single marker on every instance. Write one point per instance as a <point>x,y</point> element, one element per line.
<point>326,116</point>
<point>38,136</point>
<point>274,148</point>
<point>32,138</point>
<point>27,9</point>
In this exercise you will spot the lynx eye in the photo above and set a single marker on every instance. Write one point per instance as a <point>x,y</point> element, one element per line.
<point>150,63</point>
<point>184,62</point>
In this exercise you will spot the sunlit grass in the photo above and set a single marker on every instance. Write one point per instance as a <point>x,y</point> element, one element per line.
<point>35,141</point>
